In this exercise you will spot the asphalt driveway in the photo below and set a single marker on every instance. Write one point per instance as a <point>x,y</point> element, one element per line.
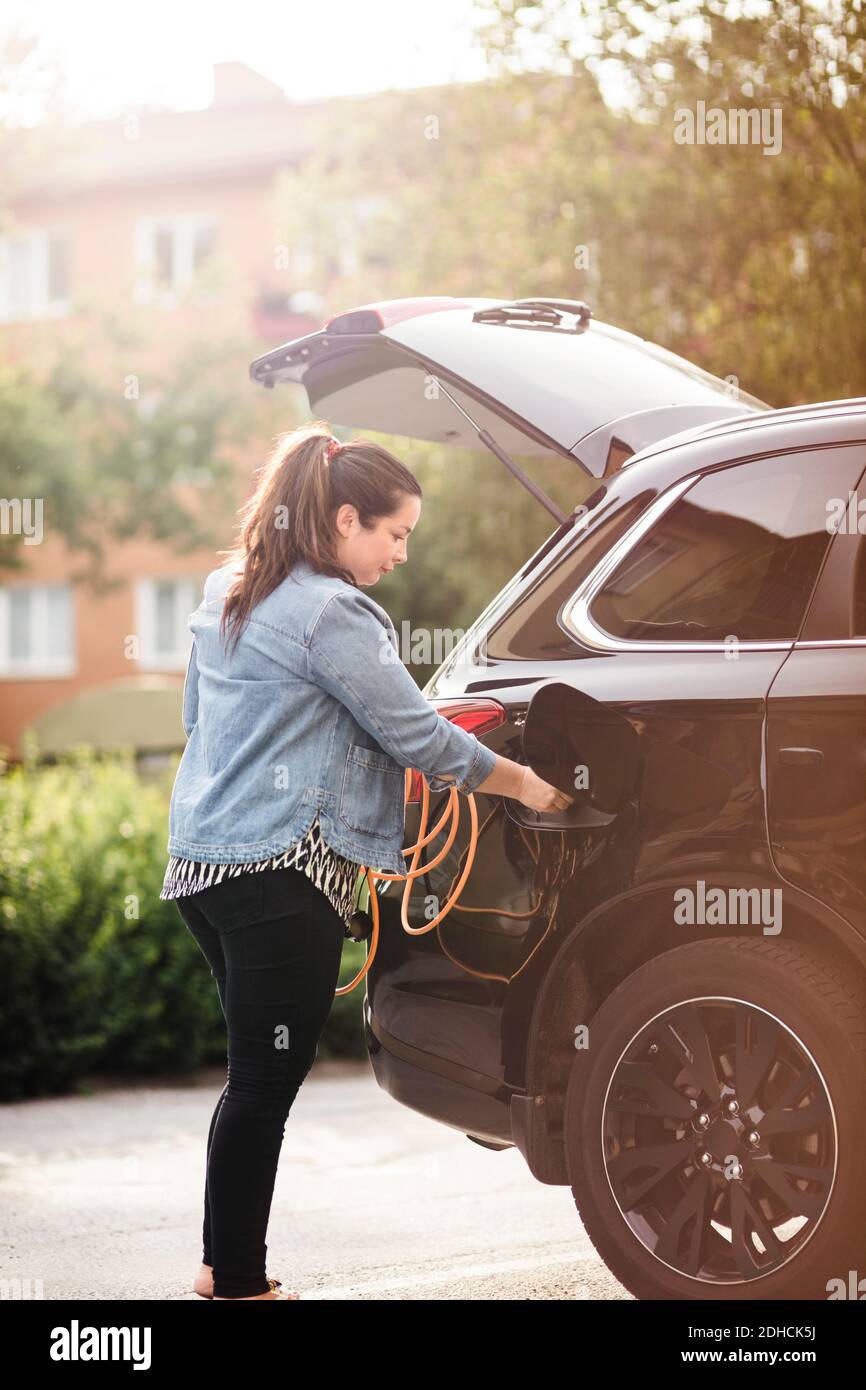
<point>103,1194</point>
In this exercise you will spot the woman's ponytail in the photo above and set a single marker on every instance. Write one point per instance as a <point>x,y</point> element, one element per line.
<point>307,477</point>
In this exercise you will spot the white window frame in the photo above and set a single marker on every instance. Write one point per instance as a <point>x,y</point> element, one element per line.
<point>349,217</point>
<point>183,228</point>
<point>39,666</point>
<point>145,621</point>
<point>37,305</point>
<point>351,226</point>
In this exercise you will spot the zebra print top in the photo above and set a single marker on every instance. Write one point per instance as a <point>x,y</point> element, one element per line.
<point>331,872</point>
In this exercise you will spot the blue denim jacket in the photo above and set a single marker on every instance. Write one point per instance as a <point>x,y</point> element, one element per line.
<point>312,713</point>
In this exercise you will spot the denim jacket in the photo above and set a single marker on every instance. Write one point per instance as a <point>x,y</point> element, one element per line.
<point>313,713</point>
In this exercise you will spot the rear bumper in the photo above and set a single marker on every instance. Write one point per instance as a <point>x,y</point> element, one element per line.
<point>443,1091</point>
<point>493,1113</point>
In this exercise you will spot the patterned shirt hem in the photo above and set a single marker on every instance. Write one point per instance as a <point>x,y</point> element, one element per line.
<point>330,871</point>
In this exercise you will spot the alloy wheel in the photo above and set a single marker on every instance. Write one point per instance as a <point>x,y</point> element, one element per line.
<point>719,1140</point>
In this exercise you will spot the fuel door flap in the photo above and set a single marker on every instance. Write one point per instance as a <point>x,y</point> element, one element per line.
<point>583,748</point>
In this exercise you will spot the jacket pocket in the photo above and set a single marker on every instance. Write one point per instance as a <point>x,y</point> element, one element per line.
<point>372,794</point>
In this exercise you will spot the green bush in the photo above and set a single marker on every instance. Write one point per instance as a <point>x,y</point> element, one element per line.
<point>98,975</point>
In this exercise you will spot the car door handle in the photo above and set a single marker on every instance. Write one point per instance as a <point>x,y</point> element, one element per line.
<point>801,757</point>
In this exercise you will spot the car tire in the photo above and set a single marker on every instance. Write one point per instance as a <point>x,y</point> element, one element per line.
<point>685,1198</point>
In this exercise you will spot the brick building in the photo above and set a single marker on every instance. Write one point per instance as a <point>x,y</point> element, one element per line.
<point>172,214</point>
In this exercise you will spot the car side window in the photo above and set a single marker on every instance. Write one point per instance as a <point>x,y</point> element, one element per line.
<point>530,630</point>
<point>737,555</point>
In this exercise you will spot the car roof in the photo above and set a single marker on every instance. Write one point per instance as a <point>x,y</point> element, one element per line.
<point>788,427</point>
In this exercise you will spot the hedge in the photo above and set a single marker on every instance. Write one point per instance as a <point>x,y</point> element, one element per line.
<point>98,975</point>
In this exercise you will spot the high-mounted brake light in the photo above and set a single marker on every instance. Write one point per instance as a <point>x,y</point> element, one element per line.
<point>476,716</point>
<point>370,318</point>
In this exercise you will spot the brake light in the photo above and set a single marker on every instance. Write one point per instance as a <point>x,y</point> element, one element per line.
<point>475,716</point>
<point>369,318</point>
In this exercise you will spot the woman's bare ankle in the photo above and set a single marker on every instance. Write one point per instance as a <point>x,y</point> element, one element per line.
<point>247,1298</point>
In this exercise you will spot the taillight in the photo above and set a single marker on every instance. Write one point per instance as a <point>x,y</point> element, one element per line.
<point>476,716</point>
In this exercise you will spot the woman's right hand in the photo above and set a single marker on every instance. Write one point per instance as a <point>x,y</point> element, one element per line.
<point>539,795</point>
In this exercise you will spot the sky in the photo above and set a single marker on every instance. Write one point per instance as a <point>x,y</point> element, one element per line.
<point>113,56</point>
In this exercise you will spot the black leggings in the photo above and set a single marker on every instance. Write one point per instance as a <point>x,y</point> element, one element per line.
<point>273,942</point>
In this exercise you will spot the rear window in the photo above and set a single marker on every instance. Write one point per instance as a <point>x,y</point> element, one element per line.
<point>530,630</point>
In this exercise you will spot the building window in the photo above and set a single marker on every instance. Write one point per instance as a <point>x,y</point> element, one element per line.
<point>169,254</point>
<point>34,275</point>
<point>36,631</point>
<point>351,246</point>
<point>163,607</point>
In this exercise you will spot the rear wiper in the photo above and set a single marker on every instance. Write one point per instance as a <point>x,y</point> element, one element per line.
<point>551,313</point>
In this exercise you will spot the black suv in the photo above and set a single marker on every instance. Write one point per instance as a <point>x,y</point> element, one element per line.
<point>658,996</point>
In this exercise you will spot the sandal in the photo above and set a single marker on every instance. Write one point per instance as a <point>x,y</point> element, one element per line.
<point>293,1293</point>
<point>275,1284</point>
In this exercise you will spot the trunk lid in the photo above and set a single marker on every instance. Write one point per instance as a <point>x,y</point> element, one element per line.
<point>539,375</point>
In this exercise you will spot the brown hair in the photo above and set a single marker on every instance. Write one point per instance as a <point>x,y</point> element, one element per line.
<point>290,515</point>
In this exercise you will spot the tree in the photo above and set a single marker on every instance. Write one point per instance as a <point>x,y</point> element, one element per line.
<point>748,263</point>
<point>111,456</point>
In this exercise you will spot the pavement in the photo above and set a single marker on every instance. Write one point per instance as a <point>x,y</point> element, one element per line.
<point>103,1194</point>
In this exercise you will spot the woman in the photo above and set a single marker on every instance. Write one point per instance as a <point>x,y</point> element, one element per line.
<point>300,720</point>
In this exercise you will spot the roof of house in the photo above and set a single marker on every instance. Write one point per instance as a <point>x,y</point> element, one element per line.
<point>251,127</point>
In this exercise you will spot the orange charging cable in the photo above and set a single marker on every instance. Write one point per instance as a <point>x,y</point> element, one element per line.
<point>415,870</point>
